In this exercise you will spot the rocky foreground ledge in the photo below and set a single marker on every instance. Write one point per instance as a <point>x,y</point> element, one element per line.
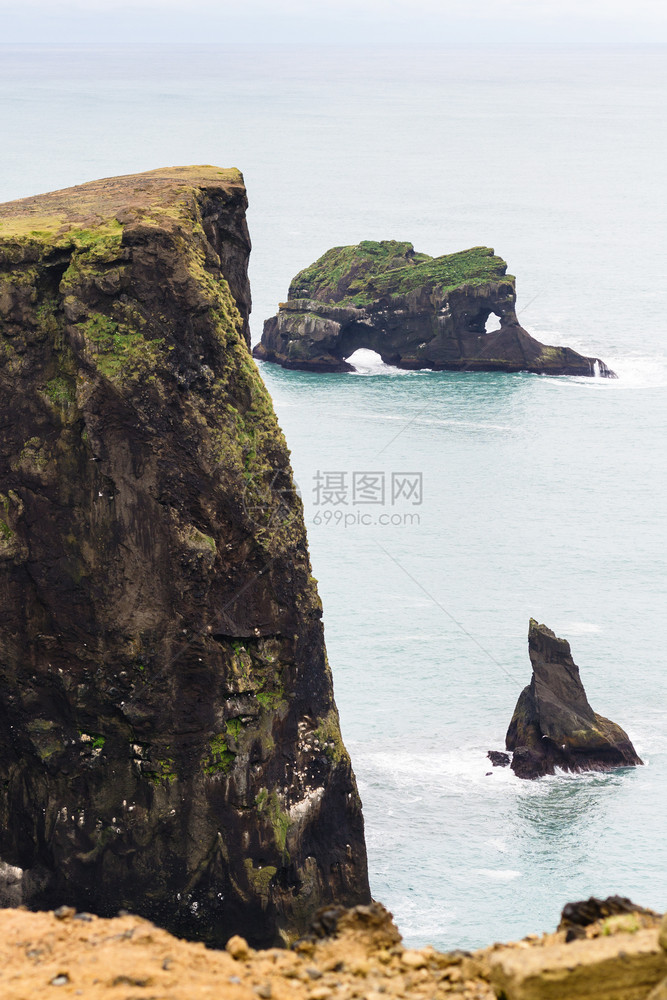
<point>415,311</point>
<point>619,955</point>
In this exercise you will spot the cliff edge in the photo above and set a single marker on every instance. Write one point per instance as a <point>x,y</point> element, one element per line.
<point>169,741</point>
<point>415,311</point>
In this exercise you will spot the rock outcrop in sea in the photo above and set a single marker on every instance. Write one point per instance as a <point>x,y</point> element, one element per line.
<point>169,741</point>
<point>415,311</point>
<point>553,724</point>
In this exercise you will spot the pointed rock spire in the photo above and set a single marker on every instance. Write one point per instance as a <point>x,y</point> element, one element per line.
<point>553,723</point>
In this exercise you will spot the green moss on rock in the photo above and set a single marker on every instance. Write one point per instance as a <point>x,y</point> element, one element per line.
<point>221,758</point>
<point>269,804</point>
<point>357,275</point>
<point>329,735</point>
<point>260,878</point>
<point>60,391</point>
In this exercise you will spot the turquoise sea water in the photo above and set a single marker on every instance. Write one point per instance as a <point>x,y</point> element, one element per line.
<point>540,496</point>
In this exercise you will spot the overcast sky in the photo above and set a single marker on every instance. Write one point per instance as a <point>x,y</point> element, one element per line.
<point>360,21</point>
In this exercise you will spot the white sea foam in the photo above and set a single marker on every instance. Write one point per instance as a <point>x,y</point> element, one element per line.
<point>498,874</point>
<point>367,362</point>
<point>461,769</point>
<point>498,845</point>
<point>420,925</point>
<point>638,371</point>
<point>633,371</point>
<point>579,628</point>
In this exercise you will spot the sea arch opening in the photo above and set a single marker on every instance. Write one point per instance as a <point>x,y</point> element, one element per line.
<point>359,337</point>
<point>365,361</point>
<point>492,323</point>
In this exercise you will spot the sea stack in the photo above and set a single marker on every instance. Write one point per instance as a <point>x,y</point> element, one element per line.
<point>169,741</point>
<point>553,724</point>
<point>415,311</point>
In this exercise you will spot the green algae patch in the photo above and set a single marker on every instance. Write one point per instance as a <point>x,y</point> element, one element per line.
<point>234,728</point>
<point>94,742</point>
<point>247,438</point>
<point>57,229</point>
<point>20,243</point>
<point>623,923</point>
<point>164,771</point>
<point>343,273</point>
<point>61,391</point>
<point>119,348</point>
<point>268,804</point>
<point>329,735</point>
<point>208,541</point>
<point>45,737</point>
<point>260,878</point>
<point>221,758</point>
<point>270,700</point>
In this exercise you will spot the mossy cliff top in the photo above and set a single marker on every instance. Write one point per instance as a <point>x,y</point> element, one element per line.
<point>88,212</point>
<point>94,227</point>
<point>357,275</point>
<point>170,742</point>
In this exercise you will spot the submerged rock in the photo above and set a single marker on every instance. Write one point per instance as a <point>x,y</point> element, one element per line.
<point>553,724</point>
<point>415,311</point>
<point>169,742</point>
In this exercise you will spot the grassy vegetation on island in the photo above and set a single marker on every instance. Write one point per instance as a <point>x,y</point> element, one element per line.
<point>358,275</point>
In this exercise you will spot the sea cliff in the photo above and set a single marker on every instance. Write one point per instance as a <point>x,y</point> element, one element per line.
<point>169,741</point>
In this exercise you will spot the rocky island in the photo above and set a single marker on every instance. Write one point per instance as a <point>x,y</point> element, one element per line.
<point>415,311</point>
<point>169,741</point>
<point>553,724</point>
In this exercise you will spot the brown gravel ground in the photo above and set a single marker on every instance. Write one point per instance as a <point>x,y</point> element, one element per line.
<point>64,954</point>
<point>127,958</point>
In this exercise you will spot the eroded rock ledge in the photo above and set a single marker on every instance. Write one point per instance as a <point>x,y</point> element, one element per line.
<point>169,742</point>
<point>415,311</point>
<point>358,953</point>
<point>553,724</point>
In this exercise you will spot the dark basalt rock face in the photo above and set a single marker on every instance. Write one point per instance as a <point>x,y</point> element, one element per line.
<point>553,725</point>
<point>169,742</point>
<point>415,311</point>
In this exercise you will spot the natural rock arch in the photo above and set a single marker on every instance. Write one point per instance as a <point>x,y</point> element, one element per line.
<point>415,311</point>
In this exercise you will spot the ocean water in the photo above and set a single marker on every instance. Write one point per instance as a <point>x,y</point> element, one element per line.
<point>505,496</point>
